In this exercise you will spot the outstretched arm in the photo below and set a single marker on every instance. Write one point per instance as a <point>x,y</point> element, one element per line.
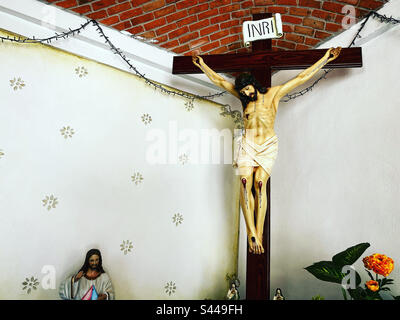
<point>213,76</point>
<point>307,74</point>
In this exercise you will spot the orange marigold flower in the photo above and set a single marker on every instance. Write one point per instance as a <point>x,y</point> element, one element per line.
<point>379,263</point>
<point>372,285</point>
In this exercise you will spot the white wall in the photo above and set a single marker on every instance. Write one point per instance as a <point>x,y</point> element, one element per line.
<point>90,173</point>
<point>336,180</point>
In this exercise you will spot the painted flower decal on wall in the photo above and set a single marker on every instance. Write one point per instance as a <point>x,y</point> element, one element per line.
<point>137,178</point>
<point>126,246</point>
<point>170,288</point>
<point>189,105</point>
<point>183,158</point>
<point>17,83</point>
<point>67,132</point>
<point>1,153</point>
<point>81,71</point>
<point>146,119</point>
<point>30,284</point>
<point>177,219</point>
<point>50,202</point>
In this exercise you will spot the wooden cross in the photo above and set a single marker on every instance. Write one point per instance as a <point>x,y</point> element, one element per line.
<point>260,63</point>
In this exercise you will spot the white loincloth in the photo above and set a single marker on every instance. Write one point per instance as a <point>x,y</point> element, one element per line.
<point>253,155</point>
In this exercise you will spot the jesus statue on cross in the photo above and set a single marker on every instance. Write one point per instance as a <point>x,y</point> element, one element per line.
<point>259,145</point>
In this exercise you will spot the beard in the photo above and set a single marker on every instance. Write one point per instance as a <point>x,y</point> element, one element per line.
<point>247,99</point>
<point>94,267</point>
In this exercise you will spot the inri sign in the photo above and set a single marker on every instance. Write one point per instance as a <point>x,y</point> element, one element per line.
<point>262,29</point>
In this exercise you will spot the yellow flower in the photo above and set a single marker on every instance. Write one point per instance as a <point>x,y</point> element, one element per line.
<point>372,285</point>
<point>379,263</point>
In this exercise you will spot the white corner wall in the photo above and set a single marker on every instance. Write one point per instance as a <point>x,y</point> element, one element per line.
<point>336,180</point>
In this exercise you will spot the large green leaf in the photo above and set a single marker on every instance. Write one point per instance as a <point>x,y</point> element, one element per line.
<point>350,255</point>
<point>326,271</point>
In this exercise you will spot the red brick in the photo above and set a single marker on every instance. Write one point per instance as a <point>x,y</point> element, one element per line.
<point>141,19</point>
<point>352,2</point>
<point>136,3</point>
<point>234,46</point>
<point>220,50</point>
<point>188,37</point>
<point>67,3</point>
<point>110,20</point>
<point>229,24</point>
<point>277,9</point>
<point>310,3</point>
<point>286,44</point>
<point>218,3</point>
<point>312,41</point>
<point>197,9</point>
<point>130,13</point>
<point>176,16</point>
<point>210,46</point>
<point>211,29</point>
<point>286,2</point>
<point>299,11</point>
<point>263,2</point>
<point>218,19</point>
<point>333,27</point>
<point>119,8</point>
<point>241,13</point>
<point>153,5</point>
<point>258,10</point>
<point>181,49</point>
<point>302,47</point>
<point>83,9</point>
<point>98,15</point>
<point>166,29</point>
<point>199,25</point>
<point>207,14</point>
<point>304,30</point>
<point>229,8</point>
<point>186,21</point>
<point>246,4</point>
<point>287,28</point>
<point>102,4</point>
<point>328,16</point>
<point>369,4</point>
<point>136,30</point>
<point>313,23</point>
<point>294,37</point>
<point>171,44</point>
<point>333,7</point>
<point>185,4</point>
<point>219,35</point>
<point>161,39</point>
<point>199,42</point>
<point>164,11</point>
<point>290,19</point>
<point>321,34</point>
<point>230,39</point>
<point>178,32</point>
<point>149,35</point>
<point>155,24</point>
<point>123,25</point>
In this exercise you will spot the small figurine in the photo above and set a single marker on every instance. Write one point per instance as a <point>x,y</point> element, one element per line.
<point>90,283</point>
<point>233,293</point>
<point>278,295</point>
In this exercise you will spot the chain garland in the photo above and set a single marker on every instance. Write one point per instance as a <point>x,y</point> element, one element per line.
<point>115,50</point>
<point>374,14</point>
<point>226,108</point>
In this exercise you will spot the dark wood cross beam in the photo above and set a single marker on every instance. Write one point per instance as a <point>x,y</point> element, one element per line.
<point>260,63</point>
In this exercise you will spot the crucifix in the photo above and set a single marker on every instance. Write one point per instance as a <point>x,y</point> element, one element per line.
<point>260,63</point>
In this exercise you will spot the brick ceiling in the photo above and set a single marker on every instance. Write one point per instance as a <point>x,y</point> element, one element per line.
<point>214,26</point>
